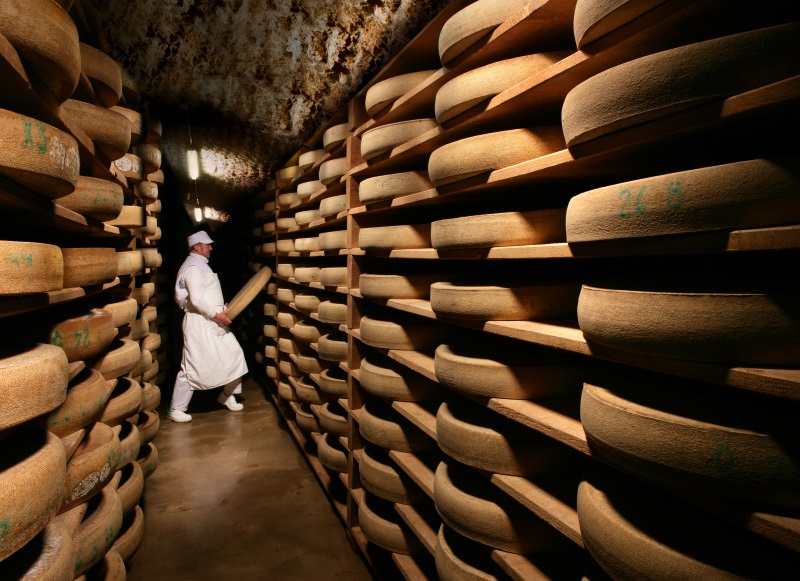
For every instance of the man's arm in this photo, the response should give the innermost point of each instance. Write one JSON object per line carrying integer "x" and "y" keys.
{"x": 196, "y": 285}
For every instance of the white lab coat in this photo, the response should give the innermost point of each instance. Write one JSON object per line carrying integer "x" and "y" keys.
{"x": 211, "y": 354}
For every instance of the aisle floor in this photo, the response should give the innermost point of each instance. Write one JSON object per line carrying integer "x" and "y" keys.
{"x": 233, "y": 498}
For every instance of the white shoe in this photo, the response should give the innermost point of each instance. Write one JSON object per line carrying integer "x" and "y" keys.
{"x": 230, "y": 402}
{"x": 178, "y": 416}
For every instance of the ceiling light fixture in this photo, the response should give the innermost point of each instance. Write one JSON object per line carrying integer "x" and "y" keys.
{"x": 198, "y": 214}
{"x": 194, "y": 163}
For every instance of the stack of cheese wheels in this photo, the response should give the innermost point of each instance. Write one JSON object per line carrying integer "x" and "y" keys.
{"x": 381, "y": 476}
{"x": 30, "y": 267}
{"x": 333, "y": 240}
{"x": 104, "y": 73}
{"x": 333, "y": 311}
{"x": 335, "y": 136}
{"x": 332, "y": 170}
{"x": 383, "y": 526}
{"x": 485, "y": 153}
{"x": 747, "y": 194}
{"x": 333, "y": 205}
{"x": 747, "y": 328}
{"x": 508, "y": 370}
{"x": 382, "y": 95}
{"x": 642, "y": 90}
{"x": 397, "y": 286}
{"x": 385, "y": 187}
{"x": 385, "y": 380}
{"x": 136, "y": 125}
{"x": 677, "y": 435}
{"x": 309, "y": 158}
{"x": 38, "y": 155}
{"x": 109, "y": 130}
{"x": 405, "y": 334}
{"x": 459, "y": 558}
{"x": 634, "y": 531}
{"x": 504, "y": 303}
{"x": 88, "y": 266}
{"x": 479, "y": 511}
{"x": 384, "y": 138}
{"x": 306, "y": 189}
{"x": 331, "y": 453}
{"x": 333, "y": 419}
{"x": 473, "y": 22}
{"x": 482, "y": 438}
{"x": 94, "y": 198}
{"x": 477, "y": 86}
{"x": 380, "y": 424}
{"x": 395, "y": 237}
{"x": 46, "y": 38}
{"x": 502, "y": 229}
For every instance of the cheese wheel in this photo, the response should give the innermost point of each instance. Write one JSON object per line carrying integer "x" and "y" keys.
{"x": 30, "y": 267}
{"x": 130, "y": 486}
{"x": 33, "y": 381}
{"x": 333, "y": 381}
{"x": 334, "y": 240}
{"x": 332, "y": 170}
{"x": 123, "y": 311}
{"x": 130, "y": 217}
{"x": 269, "y": 227}
{"x": 307, "y": 244}
{"x": 130, "y": 262}
{"x": 38, "y": 155}
{"x": 747, "y": 194}
{"x": 505, "y": 370}
{"x": 306, "y": 332}
{"x": 736, "y": 328}
{"x": 94, "y": 198}
{"x": 306, "y": 419}
{"x": 285, "y": 295}
{"x": 286, "y": 391}
{"x": 306, "y": 273}
{"x": 504, "y": 303}
{"x": 272, "y": 373}
{"x": 309, "y": 158}
{"x": 288, "y": 199}
{"x": 130, "y": 166}
{"x": 271, "y": 351}
{"x": 383, "y": 526}
{"x": 270, "y": 331}
{"x": 383, "y": 138}
{"x": 382, "y": 379}
{"x": 502, "y": 229}
{"x": 474, "y": 87}
{"x": 150, "y": 155}
{"x": 109, "y": 130}
{"x": 286, "y": 223}
{"x": 474, "y": 508}
{"x": 682, "y": 439}
{"x": 332, "y": 206}
{"x": 333, "y": 419}
{"x": 155, "y": 129}
{"x": 104, "y": 72}
{"x": 306, "y": 189}
{"x": 85, "y": 399}
{"x": 156, "y": 176}
{"x": 392, "y": 237}
{"x": 148, "y": 459}
{"x": 47, "y": 40}
{"x": 136, "y": 124}
{"x": 333, "y": 312}
{"x": 120, "y": 358}
{"x": 83, "y": 336}
{"x": 152, "y": 342}
{"x": 124, "y": 401}
{"x": 130, "y": 536}
{"x": 288, "y": 174}
{"x": 31, "y": 484}
{"x": 397, "y": 286}
{"x": 268, "y": 247}
{"x": 333, "y": 347}
{"x": 310, "y": 363}
{"x": 96, "y": 532}
{"x": 643, "y": 89}
{"x": 634, "y": 531}
{"x": 285, "y": 245}
{"x": 150, "y": 256}
{"x": 150, "y": 226}
{"x": 473, "y": 22}
{"x": 389, "y": 186}
{"x": 459, "y": 559}
{"x": 596, "y": 18}
{"x": 288, "y": 345}
{"x": 92, "y": 465}
{"x": 333, "y": 276}
{"x": 408, "y": 335}
{"x": 88, "y": 266}
{"x": 270, "y": 309}
{"x": 332, "y": 454}
{"x": 248, "y": 292}
{"x": 151, "y": 397}
{"x": 335, "y": 136}
{"x": 380, "y": 424}
{"x": 147, "y": 423}
{"x": 287, "y": 319}
{"x": 306, "y": 304}
{"x": 380, "y": 476}
{"x": 48, "y": 556}
{"x": 383, "y": 94}
{"x": 481, "y": 154}
{"x": 306, "y": 217}
{"x": 481, "y": 438}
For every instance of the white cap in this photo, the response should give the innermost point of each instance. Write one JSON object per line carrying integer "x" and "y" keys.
{"x": 198, "y": 238}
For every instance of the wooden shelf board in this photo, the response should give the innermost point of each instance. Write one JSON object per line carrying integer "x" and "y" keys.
{"x": 12, "y": 305}
{"x": 418, "y": 525}
{"x": 357, "y": 494}
{"x": 521, "y": 567}
{"x": 419, "y": 415}
{"x": 416, "y": 469}
{"x": 556, "y": 419}
{"x": 412, "y": 569}
{"x": 555, "y": 250}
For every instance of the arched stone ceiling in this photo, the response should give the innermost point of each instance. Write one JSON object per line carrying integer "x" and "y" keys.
{"x": 256, "y": 78}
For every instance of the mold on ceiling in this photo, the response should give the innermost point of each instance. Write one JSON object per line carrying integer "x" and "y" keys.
{"x": 249, "y": 80}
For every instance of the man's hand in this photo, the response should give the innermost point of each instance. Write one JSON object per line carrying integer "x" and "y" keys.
{"x": 222, "y": 319}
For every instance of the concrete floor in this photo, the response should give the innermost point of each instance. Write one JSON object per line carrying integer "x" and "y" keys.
{"x": 233, "y": 498}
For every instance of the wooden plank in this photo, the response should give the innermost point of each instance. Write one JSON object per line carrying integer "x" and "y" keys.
{"x": 416, "y": 469}
{"x": 419, "y": 415}
{"x": 12, "y": 305}
{"x": 556, "y": 419}
{"x": 555, "y": 250}
{"x": 418, "y": 361}
{"x": 412, "y": 569}
{"x": 420, "y": 526}
{"x": 519, "y": 567}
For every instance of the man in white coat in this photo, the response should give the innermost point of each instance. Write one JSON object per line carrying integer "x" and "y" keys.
{"x": 212, "y": 356}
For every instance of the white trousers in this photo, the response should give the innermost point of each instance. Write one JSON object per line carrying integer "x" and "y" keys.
{"x": 182, "y": 392}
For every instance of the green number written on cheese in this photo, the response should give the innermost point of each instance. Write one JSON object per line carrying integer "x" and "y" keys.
{"x": 28, "y": 142}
